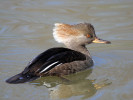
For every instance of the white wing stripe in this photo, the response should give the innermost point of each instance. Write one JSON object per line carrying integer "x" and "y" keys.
{"x": 58, "y": 64}
{"x": 49, "y": 66}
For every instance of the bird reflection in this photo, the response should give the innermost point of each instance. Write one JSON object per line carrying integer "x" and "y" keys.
{"x": 73, "y": 85}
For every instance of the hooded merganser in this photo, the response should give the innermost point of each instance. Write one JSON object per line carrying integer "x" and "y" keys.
{"x": 61, "y": 61}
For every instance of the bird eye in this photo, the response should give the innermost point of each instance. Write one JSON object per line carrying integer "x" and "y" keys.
{"x": 89, "y": 36}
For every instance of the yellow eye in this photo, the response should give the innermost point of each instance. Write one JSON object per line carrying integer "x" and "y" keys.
{"x": 88, "y": 36}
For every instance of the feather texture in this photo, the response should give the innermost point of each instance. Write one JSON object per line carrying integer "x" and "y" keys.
{"x": 45, "y": 62}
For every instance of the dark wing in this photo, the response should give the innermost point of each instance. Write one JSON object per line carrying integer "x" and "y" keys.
{"x": 52, "y": 58}
{"x": 43, "y": 57}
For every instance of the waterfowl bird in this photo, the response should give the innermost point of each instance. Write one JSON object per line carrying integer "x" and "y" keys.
{"x": 61, "y": 61}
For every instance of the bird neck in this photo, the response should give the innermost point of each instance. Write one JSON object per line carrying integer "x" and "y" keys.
{"x": 79, "y": 48}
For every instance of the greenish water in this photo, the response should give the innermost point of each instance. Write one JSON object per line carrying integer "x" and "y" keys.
{"x": 26, "y": 30}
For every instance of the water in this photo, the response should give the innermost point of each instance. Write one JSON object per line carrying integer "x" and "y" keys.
{"x": 26, "y": 30}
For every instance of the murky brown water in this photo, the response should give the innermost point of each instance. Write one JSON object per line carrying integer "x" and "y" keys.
{"x": 26, "y": 30}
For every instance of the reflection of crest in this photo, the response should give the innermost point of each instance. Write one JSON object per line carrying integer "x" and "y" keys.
{"x": 73, "y": 85}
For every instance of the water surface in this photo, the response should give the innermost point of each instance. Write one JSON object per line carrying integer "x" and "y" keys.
{"x": 26, "y": 30}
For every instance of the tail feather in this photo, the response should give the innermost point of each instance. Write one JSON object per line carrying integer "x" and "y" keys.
{"x": 21, "y": 78}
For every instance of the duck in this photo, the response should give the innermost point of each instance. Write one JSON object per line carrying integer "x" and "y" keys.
{"x": 61, "y": 61}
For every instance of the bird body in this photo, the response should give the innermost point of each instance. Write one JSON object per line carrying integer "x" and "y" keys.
{"x": 61, "y": 61}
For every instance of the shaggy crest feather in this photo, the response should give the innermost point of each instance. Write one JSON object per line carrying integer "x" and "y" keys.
{"x": 64, "y": 32}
